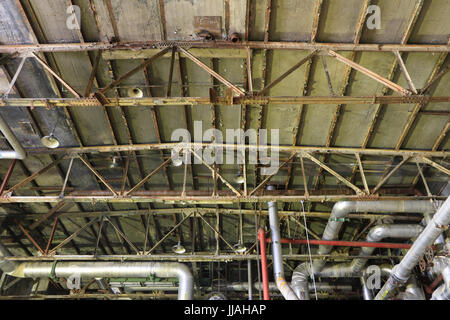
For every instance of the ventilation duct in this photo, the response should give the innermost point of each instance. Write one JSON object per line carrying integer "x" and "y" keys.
{"x": 278, "y": 270}
{"x": 402, "y": 271}
{"x": 97, "y": 269}
{"x": 339, "y": 212}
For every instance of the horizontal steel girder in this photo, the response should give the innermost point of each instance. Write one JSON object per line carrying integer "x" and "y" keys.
{"x": 245, "y": 100}
{"x": 198, "y": 257}
{"x": 205, "y": 199}
{"x": 291, "y": 149}
{"x": 221, "y": 44}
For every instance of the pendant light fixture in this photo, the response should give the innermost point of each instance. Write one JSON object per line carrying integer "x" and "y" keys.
{"x": 135, "y": 93}
{"x": 51, "y": 141}
{"x": 240, "y": 247}
{"x": 179, "y": 248}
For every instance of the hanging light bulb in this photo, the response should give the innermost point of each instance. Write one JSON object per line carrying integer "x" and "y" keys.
{"x": 239, "y": 247}
{"x": 179, "y": 248}
{"x": 135, "y": 93}
{"x": 115, "y": 162}
{"x": 50, "y": 141}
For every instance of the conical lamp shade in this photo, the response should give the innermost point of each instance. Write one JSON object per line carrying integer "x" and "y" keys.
{"x": 240, "y": 248}
{"x": 135, "y": 93}
{"x": 50, "y": 141}
{"x": 178, "y": 248}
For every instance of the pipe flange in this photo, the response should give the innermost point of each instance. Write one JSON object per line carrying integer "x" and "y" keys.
{"x": 429, "y": 255}
{"x": 422, "y": 265}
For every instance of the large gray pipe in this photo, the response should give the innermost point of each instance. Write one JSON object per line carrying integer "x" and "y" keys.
{"x": 401, "y": 272}
{"x": 443, "y": 291}
{"x": 339, "y": 212}
{"x": 97, "y": 269}
{"x": 19, "y": 152}
{"x": 376, "y": 234}
{"x": 278, "y": 270}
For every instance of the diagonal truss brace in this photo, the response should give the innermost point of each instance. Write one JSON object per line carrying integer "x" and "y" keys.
{"x": 370, "y": 74}
{"x": 334, "y": 173}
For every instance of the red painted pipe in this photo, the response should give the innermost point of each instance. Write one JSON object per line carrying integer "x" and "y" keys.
{"x": 8, "y": 174}
{"x": 433, "y": 286}
{"x": 265, "y": 275}
{"x": 347, "y": 243}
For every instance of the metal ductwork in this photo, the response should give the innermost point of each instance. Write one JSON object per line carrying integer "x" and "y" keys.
{"x": 339, "y": 212}
{"x": 402, "y": 271}
{"x": 278, "y": 270}
{"x": 376, "y": 234}
{"x": 413, "y": 291}
{"x": 19, "y": 152}
{"x": 92, "y": 270}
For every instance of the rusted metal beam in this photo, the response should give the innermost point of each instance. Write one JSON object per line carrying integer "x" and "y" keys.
{"x": 134, "y": 70}
{"x": 144, "y": 180}
{"x": 212, "y": 72}
{"x": 217, "y": 174}
{"x": 52, "y": 233}
{"x": 112, "y": 19}
{"x": 361, "y": 171}
{"x": 267, "y": 20}
{"x": 123, "y": 235}
{"x": 209, "y": 211}
{"x": 72, "y": 236}
{"x": 288, "y": 72}
{"x": 51, "y": 212}
{"x": 315, "y": 26}
{"x": 49, "y": 69}
{"x": 209, "y": 199}
{"x": 223, "y": 44}
{"x": 413, "y": 116}
{"x": 125, "y": 174}
{"x": 215, "y": 231}
{"x": 168, "y": 234}
{"x": 34, "y": 175}
{"x": 370, "y": 73}
{"x": 169, "y": 81}
{"x": 334, "y": 173}
{"x": 7, "y": 176}
{"x": 434, "y": 79}
{"x": 98, "y": 175}
{"x": 93, "y": 73}
{"x": 35, "y": 244}
{"x": 263, "y": 183}
{"x": 66, "y": 179}
{"x": 196, "y": 145}
{"x": 411, "y": 85}
{"x": 384, "y": 179}
{"x": 193, "y": 101}
{"x": 249, "y": 71}
{"x": 436, "y": 165}
{"x": 162, "y": 17}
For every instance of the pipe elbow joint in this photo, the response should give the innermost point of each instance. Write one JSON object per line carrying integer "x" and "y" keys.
{"x": 342, "y": 208}
{"x": 377, "y": 233}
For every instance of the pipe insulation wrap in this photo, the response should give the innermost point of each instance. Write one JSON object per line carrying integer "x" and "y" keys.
{"x": 339, "y": 212}
{"x": 111, "y": 270}
{"x": 402, "y": 271}
{"x": 280, "y": 280}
